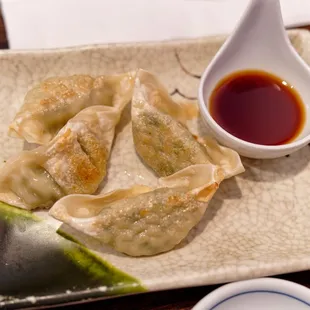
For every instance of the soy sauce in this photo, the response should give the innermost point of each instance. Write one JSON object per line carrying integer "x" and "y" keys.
{"x": 258, "y": 107}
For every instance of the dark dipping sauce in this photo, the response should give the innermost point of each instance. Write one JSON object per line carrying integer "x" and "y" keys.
{"x": 258, "y": 107}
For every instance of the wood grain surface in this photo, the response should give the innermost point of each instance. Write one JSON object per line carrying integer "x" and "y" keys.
{"x": 181, "y": 299}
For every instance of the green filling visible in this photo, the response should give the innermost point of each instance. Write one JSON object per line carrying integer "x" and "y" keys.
{"x": 165, "y": 145}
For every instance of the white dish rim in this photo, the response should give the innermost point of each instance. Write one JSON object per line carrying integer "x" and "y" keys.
{"x": 271, "y": 285}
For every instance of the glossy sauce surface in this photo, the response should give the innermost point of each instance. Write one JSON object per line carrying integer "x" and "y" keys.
{"x": 258, "y": 107}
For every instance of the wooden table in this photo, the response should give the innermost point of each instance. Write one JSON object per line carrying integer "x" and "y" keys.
{"x": 181, "y": 299}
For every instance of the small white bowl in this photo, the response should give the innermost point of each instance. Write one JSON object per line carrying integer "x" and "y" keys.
{"x": 248, "y": 149}
{"x": 259, "y": 42}
{"x": 257, "y": 294}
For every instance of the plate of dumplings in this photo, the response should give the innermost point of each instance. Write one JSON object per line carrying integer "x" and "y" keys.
{"x": 108, "y": 170}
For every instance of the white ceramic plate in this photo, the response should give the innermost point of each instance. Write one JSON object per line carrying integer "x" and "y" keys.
{"x": 257, "y": 224}
{"x": 258, "y": 294}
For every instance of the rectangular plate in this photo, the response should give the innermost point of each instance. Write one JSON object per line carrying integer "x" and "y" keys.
{"x": 257, "y": 224}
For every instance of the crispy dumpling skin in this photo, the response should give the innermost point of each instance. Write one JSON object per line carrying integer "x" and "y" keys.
{"x": 140, "y": 221}
{"x": 164, "y": 144}
{"x": 161, "y": 137}
{"x": 26, "y": 184}
{"x": 143, "y": 225}
{"x": 74, "y": 161}
{"x": 150, "y": 222}
{"x": 49, "y": 105}
{"x": 224, "y": 157}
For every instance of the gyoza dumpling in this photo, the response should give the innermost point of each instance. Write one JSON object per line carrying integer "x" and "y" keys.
{"x": 161, "y": 138}
{"x": 224, "y": 157}
{"x": 164, "y": 144}
{"x": 154, "y": 221}
{"x": 25, "y": 183}
{"x": 147, "y": 224}
{"x": 48, "y": 106}
{"x": 73, "y": 162}
{"x": 140, "y": 221}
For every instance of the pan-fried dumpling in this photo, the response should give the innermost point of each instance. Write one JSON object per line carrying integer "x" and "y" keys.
{"x": 73, "y": 162}
{"x": 164, "y": 144}
{"x": 149, "y": 222}
{"x": 146, "y": 222}
{"x": 161, "y": 137}
{"x": 161, "y": 141}
{"x": 224, "y": 157}
{"x": 149, "y": 92}
{"x": 48, "y": 106}
{"x": 26, "y": 184}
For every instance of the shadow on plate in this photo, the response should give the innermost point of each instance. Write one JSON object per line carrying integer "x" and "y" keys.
{"x": 269, "y": 170}
{"x": 29, "y": 146}
{"x": 214, "y": 206}
{"x": 229, "y": 189}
